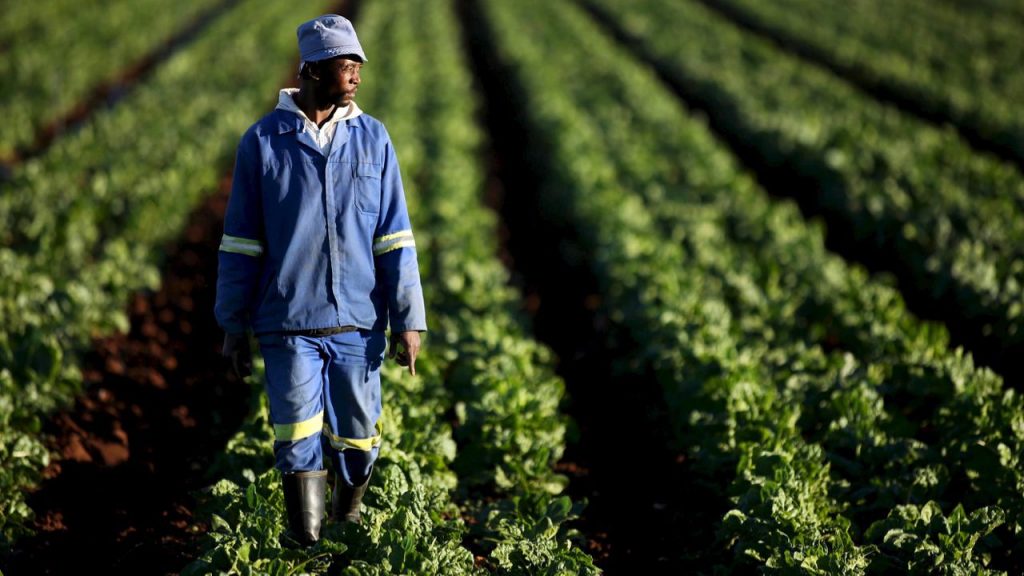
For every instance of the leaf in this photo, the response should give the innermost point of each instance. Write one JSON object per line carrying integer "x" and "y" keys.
{"x": 252, "y": 497}
{"x": 218, "y": 524}
{"x": 559, "y": 508}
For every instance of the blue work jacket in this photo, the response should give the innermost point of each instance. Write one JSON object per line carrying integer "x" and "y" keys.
{"x": 313, "y": 241}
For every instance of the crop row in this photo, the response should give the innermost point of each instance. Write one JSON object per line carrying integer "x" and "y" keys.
{"x": 951, "y": 63}
{"x": 950, "y": 217}
{"x": 848, "y": 436}
{"x": 56, "y": 53}
{"x": 86, "y": 222}
{"x": 994, "y": 9}
{"x": 466, "y": 467}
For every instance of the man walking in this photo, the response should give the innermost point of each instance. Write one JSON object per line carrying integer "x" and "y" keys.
{"x": 317, "y": 258}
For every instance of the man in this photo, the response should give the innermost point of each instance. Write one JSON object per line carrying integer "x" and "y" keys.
{"x": 317, "y": 258}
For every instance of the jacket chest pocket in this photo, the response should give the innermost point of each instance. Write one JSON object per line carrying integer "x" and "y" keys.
{"x": 366, "y": 184}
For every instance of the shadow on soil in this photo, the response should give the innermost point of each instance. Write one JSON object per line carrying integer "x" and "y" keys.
{"x": 158, "y": 408}
{"x": 647, "y": 514}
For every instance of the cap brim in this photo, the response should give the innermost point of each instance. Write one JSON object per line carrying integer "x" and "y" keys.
{"x": 333, "y": 52}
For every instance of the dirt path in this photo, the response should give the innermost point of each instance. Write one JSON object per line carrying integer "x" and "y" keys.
{"x": 158, "y": 408}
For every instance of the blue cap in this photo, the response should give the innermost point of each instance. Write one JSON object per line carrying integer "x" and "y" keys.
{"x": 328, "y": 36}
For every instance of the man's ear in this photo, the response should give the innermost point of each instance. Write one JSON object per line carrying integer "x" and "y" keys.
{"x": 312, "y": 71}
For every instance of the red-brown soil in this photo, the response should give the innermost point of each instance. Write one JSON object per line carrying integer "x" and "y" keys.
{"x": 160, "y": 404}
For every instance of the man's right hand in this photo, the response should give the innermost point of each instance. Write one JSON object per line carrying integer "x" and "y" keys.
{"x": 237, "y": 349}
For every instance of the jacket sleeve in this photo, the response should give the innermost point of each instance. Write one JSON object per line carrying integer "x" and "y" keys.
{"x": 240, "y": 259}
{"x": 394, "y": 253}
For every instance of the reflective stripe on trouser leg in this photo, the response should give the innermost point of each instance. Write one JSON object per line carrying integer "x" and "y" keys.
{"x": 352, "y": 402}
{"x": 295, "y": 383}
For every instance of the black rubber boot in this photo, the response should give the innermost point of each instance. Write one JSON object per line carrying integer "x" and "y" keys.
{"x": 346, "y": 501}
{"x": 304, "y": 494}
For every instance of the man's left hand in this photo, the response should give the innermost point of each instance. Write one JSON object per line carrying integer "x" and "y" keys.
{"x": 410, "y": 342}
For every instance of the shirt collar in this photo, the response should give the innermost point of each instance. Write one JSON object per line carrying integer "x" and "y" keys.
{"x": 287, "y": 103}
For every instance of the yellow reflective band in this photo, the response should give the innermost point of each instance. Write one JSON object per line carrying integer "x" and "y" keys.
{"x": 240, "y": 240}
{"x": 395, "y": 246}
{"x": 363, "y": 444}
{"x": 236, "y": 250}
{"x": 398, "y": 234}
{"x": 299, "y": 430}
{"x": 240, "y": 245}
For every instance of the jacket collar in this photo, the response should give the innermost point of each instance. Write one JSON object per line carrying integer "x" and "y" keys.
{"x": 287, "y": 121}
{"x": 286, "y": 104}
{"x": 290, "y": 122}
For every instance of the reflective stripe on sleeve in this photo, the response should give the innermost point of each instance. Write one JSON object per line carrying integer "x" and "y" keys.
{"x": 364, "y": 444}
{"x": 299, "y": 430}
{"x": 384, "y": 244}
{"x": 240, "y": 245}
{"x": 395, "y": 246}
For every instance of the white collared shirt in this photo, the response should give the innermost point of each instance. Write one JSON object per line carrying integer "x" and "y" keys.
{"x": 324, "y": 135}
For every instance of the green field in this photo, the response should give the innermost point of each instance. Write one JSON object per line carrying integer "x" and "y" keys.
{"x": 789, "y": 234}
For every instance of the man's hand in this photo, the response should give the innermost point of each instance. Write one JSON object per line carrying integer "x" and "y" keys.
{"x": 410, "y": 341}
{"x": 236, "y": 347}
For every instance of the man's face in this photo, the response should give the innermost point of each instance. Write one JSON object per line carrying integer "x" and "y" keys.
{"x": 339, "y": 79}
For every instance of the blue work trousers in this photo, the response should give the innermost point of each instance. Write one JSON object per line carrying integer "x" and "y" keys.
{"x": 325, "y": 399}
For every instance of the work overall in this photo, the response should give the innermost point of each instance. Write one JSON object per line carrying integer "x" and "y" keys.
{"x": 324, "y": 394}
